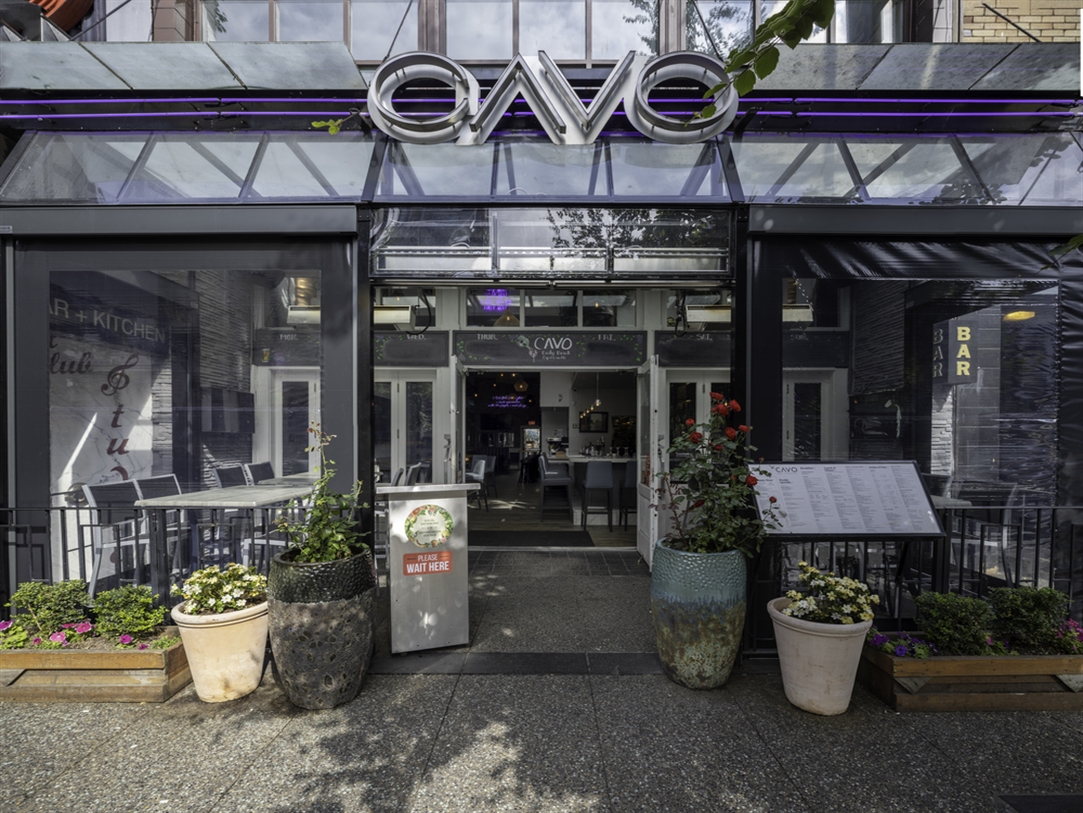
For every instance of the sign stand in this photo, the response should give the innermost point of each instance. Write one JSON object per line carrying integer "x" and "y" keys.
{"x": 427, "y": 565}
{"x": 850, "y": 501}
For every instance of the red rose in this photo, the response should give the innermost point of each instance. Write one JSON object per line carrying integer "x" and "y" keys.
{"x": 690, "y": 422}
{"x": 731, "y": 433}
{"x": 742, "y": 428}
{"x": 720, "y": 409}
{"x": 696, "y": 437}
{"x": 698, "y": 504}
{"x": 717, "y": 396}
{"x": 772, "y": 499}
{"x": 718, "y": 447}
{"x": 751, "y": 480}
{"x": 736, "y": 407}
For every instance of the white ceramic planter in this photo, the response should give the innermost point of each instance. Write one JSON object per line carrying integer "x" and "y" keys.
{"x": 225, "y": 651}
{"x": 819, "y": 661}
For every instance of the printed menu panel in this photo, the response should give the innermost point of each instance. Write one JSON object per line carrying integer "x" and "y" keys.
{"x": 847, "y": 499}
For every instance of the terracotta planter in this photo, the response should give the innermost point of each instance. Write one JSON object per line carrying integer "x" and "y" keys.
{"x": 698, "y": 606}
{"x": 226, "y": 651}
{"x": 819, "y": 661}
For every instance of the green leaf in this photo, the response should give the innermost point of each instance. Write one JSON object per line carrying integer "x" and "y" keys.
{"x": 333, "y": 128}
{"x": 744, "y": 82}
{"x": 1073, "y": 244}
{"x": 767, "y": 62}
{"x": 822, "y": 11}
{"x": 714, "y": 91}
{"x": 707, "y": 112}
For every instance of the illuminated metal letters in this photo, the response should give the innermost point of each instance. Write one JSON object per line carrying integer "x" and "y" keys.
{"x": 555, "y": 104}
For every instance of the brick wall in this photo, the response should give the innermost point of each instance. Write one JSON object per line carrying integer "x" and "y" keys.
{"x": 1048, "y": 20}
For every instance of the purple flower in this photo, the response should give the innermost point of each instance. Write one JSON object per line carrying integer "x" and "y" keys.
{"x": 4, "y": 625}
{"x": 901, "y": 650}
{"x": 84, "y": 627}
{"x": 125, "y": 638}
{"x": 879, "y": 639}
{"x": 143, "y": 646}
{"x": 37, "y": 640}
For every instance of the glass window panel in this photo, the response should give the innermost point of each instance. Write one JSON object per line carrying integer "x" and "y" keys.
{"x": 702, "y": 310}
{"x": 373, "y": 25}
{"x": 479, "y": 29}
{"x": 620, "y": 26}
{"x": 769, "y": 8}
{"x": 342, "y": 160}
{"x": 548, "y": 169}
{"x": 913, "y": 169}
{"x": 381, "y": 428}
{"x": 283, "y": 174}
{"x": 419, "y": 428}
{"x": 729, "y": 25}
{"x": 435, "y": 170}
{"x": 128, "y": 22}
{"x": 821, "y": 173}
{"x": 864, "y": 21}
{"x": 1044, "y": 169}
{"x": 191, "y": 167}
{"x": 236, "y": 20}
{"x": 659, "y": 170}
{"x": 558, "y": 27}
{"x": 763, "y": 163}
{"x": 609, "y": 308}
{"x": 309, "y": 20}
{"x": 419, "y": 239}
{"x": 295, "y": 438}
{"x": 550, "y": 309}
{"x": 492, "y": 307}
{"x": 73, "y": 168}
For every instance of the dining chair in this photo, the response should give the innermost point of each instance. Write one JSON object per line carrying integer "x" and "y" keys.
{"x": 226, "y": 476}
{"x": 412, "y": 473}
{"x": 599, "y": 478}
{"x": 258, "y": 472}
{"x": 554, "y": 478}
{"x": 174, "y": 526}
{"x": 400, "y": 475}
{"x": 477, "y": 475}
{"x": 115, "y": 527}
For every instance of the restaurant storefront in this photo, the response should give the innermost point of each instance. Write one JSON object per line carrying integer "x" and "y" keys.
{"x": 176, "y": 302}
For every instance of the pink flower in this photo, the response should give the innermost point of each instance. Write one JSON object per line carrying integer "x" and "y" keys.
{"x": 125, "y": 639}
{"x": 36, "y": 640}
{"x": 142, "y": 646}
{"x": 84, "y": 627}
{"x": 4, "y": 625}
{"x": 58, "y": 637}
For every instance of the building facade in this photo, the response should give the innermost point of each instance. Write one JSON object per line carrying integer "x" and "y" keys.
{"x": 509, "y": 255}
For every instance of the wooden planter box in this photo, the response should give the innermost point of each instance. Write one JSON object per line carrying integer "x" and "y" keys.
{"x": 974, "y": 683}
{"x": 89, "y": 676}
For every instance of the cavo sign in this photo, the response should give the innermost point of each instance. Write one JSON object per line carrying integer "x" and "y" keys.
{"x": 557, "y": 106}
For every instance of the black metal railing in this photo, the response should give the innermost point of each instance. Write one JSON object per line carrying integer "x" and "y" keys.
{"x": 110, "y": 546}
{"x": 983, "y": 547}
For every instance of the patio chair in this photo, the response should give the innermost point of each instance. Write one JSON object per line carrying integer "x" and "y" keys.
{"x": 115, "y": 527}
{"x": 477, "y": 475}
{"x": 258, "y": 472}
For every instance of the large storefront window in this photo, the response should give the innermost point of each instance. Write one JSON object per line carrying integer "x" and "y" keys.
{"x": 958, "y": 375}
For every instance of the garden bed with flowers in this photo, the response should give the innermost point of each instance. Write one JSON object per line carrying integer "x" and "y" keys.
{"x": 63, "y": 646}
{"x": 1009, "y": 666}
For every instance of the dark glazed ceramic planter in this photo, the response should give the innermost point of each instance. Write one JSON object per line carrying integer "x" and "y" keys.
{"x": 321, "y": 628}
{"x": 698, "y": 606}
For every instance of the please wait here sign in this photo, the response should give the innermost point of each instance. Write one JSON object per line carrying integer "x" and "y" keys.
{"x": 422, "y": 564}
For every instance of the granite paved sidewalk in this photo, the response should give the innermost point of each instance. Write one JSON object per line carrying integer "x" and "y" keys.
{"x": 557, "y": 704}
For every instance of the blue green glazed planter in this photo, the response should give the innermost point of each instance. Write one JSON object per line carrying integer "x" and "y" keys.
{"x": 698, "y": 606}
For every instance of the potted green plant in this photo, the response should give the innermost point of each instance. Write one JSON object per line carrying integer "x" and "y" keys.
{"x": 223, "y": 623}
{"x": 1016, "y": 651}
{"x": 62, "y": 645}
{"x": 699, "y": 572}
{"x": 322, "y": 594}
{"x": 819, "y": 633}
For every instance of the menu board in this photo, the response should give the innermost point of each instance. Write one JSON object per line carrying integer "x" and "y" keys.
{"x": 847, "y": 499}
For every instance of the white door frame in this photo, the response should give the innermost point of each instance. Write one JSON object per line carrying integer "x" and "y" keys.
{"x": 267, "y": 384}
{"x": 834, "y": 411}
{"x": 397, "y": 378}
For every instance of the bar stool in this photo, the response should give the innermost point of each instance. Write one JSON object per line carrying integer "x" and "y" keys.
{"x": 626, "y": 504}
{"x": 599, "y": 477}
{"x": 551, "y": 479}
{"x": 477, "y": 475}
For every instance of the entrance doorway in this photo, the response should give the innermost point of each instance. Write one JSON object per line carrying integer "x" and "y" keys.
{"x": 573, "y": 417}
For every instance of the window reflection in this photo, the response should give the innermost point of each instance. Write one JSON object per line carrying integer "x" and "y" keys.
{"x": 557, "y": 27}
{"x": 620, "y": 26}
{"x": 493, "y": 307}
{"x": 728, "y": 25}
{"x": 236, "y": 20}
{"x": 479, "y": 29}
{"x": 309, "y": 20}
{"x": 373, "y": 24}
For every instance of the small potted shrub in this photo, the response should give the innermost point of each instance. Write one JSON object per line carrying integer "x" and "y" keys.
{"x": 223, "y": 623}
{"x": 321, "y": 594}
{"x": 819, "y": 632}
{"x": 699, "y": 570}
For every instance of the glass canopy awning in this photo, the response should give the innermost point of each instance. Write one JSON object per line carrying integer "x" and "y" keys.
{"x": 1038, "y": 169}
